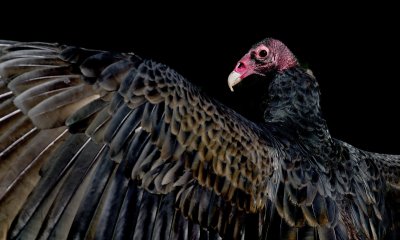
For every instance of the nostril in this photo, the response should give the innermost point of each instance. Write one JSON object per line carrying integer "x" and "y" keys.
{"x": 240, "y": 65}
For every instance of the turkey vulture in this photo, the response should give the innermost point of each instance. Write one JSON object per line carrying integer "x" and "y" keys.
{"x": 105, "y": 145}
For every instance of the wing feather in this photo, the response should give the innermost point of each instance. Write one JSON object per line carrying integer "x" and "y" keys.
{"x": 149, "y": 156}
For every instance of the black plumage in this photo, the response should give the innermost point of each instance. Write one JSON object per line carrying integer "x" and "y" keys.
{"x": 107, "y": 145}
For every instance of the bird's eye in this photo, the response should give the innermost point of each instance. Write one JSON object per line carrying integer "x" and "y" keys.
{"x": 263, "y": 53}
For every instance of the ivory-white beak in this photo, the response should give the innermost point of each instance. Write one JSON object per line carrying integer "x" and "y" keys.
{"x": 233, "y": 79}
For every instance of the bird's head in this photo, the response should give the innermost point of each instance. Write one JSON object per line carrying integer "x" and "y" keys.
{"x": 267, "y": 56}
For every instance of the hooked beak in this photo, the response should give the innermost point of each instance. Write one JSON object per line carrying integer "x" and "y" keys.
{"x": 244, "y": 68}
{"x": 233, "y": 79}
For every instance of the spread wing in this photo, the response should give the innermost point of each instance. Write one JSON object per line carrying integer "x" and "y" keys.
{"x": 104, "y": 145}
{"x": 92, "y": 139}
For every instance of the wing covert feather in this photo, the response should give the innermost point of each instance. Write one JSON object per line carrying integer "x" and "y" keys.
{"x": 171, "y": 157}
{"x": 163, "y": 132}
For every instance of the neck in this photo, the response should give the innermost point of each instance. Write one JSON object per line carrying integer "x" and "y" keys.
{"x": 294, "y": 102}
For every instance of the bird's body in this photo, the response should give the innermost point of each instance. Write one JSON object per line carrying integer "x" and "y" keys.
{"x": 105, "y": 145}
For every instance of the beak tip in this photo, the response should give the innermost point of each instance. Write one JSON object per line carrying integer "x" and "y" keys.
{"x": 233, "y": 79}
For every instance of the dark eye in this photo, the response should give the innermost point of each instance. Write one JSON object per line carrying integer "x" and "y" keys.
{"x": 263, "y": 53}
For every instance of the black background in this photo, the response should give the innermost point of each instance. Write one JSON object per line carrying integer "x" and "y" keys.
{"x": 352, "y": 50}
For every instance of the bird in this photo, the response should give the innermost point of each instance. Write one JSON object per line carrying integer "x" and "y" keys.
{"x": 106, "y": 145}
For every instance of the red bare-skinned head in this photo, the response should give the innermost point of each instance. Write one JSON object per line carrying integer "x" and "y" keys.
{"x": 269, "y": 55}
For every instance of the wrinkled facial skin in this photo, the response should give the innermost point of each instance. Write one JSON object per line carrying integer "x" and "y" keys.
{"x": 267, "y": 56}
{"x": 259, "y": 60}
